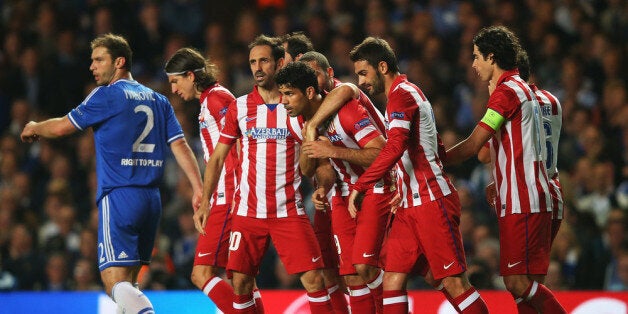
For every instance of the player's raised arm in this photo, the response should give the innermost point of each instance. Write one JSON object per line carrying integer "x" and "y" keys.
{"x": 336, "y": 98}
{"x": 51, "y": 128}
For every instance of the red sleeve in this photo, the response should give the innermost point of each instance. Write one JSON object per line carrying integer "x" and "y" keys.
{"x": 356, "y": 122}
{"x": 396, "y": 144}
{"x": 400, "y": 114}
{"x": 504, "y": 101}
{"x": 230, "y": 132}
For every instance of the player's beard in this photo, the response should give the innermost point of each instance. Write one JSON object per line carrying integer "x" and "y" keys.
{"x": 106, "y": 77}
{"x": 377, "y": 85}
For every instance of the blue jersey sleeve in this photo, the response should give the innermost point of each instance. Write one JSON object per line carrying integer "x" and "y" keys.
{"x": 173, "y": 127}
{"x": 93, "y": 110}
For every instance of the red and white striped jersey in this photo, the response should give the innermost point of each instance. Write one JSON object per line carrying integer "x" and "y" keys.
{"x": 518, "y": 149}
{"x": 552, "y": 114}
{"x": 351, "y": 127}
{"x": 413, "y": 143}
{"x": 214, "y": 103}
{"x": 376, "y": 117}
{"x": 270, "y": 178}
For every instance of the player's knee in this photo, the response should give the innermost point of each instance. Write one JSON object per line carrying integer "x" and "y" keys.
{"x": 516, "y": 284}
{"x": 200, "y": 275}
{"x": 312, "y": 280}
{"x": 394, "y": 281}
{"x": 367, "y": 272}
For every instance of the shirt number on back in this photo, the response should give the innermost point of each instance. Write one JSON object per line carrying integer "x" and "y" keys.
{"x": 138, "y": 146}
{"x": 550, "y": 149}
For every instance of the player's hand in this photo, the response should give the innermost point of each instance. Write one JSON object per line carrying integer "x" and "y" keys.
{"x": 200, "y": 216}
{"x": 322, "y": 148}
{"x": 28, "y": 134}
{"x": 197, "y": 199}
{"x": 491, "y": 194}
{"x": 394, "y": 203}
{"x": 319, "y": 198}
{"x": 355, "y": 202}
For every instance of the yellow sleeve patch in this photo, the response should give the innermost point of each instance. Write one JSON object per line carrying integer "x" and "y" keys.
{"x": 493, "y": 119}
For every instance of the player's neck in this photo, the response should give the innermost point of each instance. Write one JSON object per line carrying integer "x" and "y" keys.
{"x": 314, "y": 104}
{"x": 388, "y": 81}
{"x": 270, "y": 96}
{"x": 121, "y": 75}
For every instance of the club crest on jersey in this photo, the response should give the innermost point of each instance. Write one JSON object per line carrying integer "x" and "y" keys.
{"x": 268, "y": 133}
{"x": 362, "y": 124}
{"x": 223, "y": 112}
{"x": 397, "y": 115}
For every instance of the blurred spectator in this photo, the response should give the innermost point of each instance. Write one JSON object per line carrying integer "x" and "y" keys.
{"x": 576, "y": 47}
{"x": 85, "y": 276}
{"x": 57, "y": 273}
{"x": 565, "y": 254}
{"x": 592, "y": 271}
{"x": 22, "y": 260}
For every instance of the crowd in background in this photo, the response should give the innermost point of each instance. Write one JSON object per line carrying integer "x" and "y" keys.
{"x": 48, "y": 214}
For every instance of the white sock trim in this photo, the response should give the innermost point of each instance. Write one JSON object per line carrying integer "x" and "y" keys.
{"x": 241, "y": 306}
{"x": 332, "y": 289}
{"x": 257, "y": 294}
{"x": 322, "y": 299}
{"x": 359, "y": 292}
{"x": 469, "y": 300}
{"x": 393, "y": 300}
{"x": 210, "y": 285}
{"x": 535, "y": 286}
{"x": 377, "y": 282}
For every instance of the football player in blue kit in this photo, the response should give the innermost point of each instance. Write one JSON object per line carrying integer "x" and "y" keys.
{"x": 133, "y": 125}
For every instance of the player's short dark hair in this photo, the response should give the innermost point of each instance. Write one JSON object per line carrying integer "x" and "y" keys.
{"x": 502, "y": 43}
{"x": 317, "y": 57}
{"x": 297, "y": 74}
{"x": 277, "y": 50}
{"x": 374, "y": 50}
{"x": 523, "y": 64}
{"x": 298, "y": 43}
{"x": 189, "y": 59}
{"x": 117, "y": 46}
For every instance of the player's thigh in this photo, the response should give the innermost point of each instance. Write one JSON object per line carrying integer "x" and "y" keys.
{"x": 403, "y": 248}
{"x": 212, "y": 248}
{"x": 371, "y": 228}
{"x": 438, "y": 229}
{"x": 248, "y": 243}
{"x": 129, "y": 218}
{"x": 343, "y": 227}
{"x": 525, "y": 241}
{"x": 296, "y": 243}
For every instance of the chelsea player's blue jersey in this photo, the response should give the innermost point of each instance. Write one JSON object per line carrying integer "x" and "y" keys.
{"x": 132, "y": 125}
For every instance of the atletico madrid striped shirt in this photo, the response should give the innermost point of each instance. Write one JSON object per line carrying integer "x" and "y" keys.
{"x": 413, "y": 143}
{"x": 214, "y": 103}
{"x": 518, "y": 149}
{"x": 552, "y": 114}
{"x": 270, "y": 178}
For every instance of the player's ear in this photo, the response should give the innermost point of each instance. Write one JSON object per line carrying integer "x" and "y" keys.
{"x": 119, "y": 63}
{"x": 382, "y": 67}
{"x": 310, "y": 92}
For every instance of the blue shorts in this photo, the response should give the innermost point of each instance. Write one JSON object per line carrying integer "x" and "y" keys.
{"x": 128, "y": 221}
